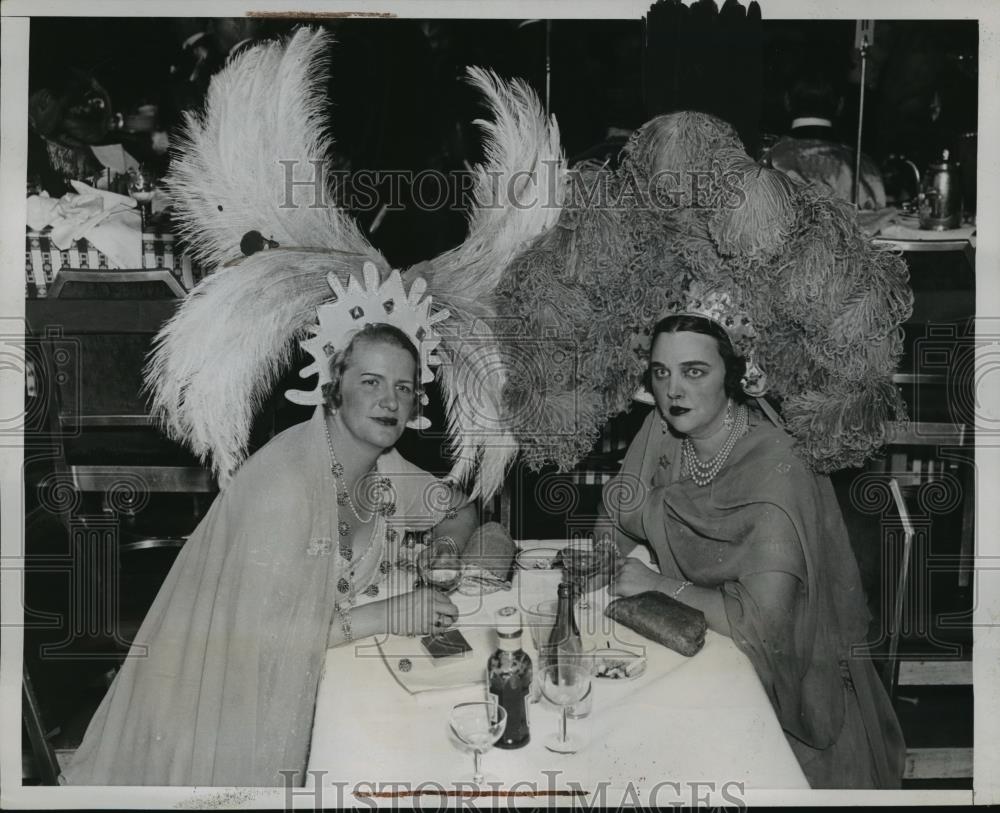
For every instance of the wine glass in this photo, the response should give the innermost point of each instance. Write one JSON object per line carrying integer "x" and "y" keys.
{"x": 564, "y": 684}
{"x": 479, "y": 725}
{"x": 581, "y": 561}
{"x": 439, "y": 574}
{"x": 588, "y": 659}
{"x": 142, "y": 186}
{"x": 444, "y": 575}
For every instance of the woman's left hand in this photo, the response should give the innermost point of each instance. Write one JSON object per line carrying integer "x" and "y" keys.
{"x": 633, "y": 577}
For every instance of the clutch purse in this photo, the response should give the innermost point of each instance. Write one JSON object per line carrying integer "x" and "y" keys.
{"x": 660, "y": 618}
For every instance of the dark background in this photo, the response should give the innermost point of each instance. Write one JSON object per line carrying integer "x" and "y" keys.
{"x": 398, "y": 100}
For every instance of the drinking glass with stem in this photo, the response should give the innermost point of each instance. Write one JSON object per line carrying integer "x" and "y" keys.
{"x": 478, "y": 724}
{"x": 439, "y": 572}
{"x": 583, "y": 560}
{"x": 563, "y": 684}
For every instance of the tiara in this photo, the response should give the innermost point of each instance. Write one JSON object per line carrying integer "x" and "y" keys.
{"x": 367, "y": 303}
{"x": 718, "y": 306}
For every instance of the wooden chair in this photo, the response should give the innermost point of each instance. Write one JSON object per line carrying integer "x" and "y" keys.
{"x": 903, "y": 475}
{"x": 106, "y": 460}
{"x": 575, "y": 494}
{"x": 115, "y": 278}
{"x": 122, "y": 486}
{"x": 45, "y": 766}
{"x": 93, "y": 351}
{"x": 904, "y": 673}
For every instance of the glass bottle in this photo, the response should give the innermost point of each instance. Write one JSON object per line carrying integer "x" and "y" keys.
{"x": 564, "y": 640}
{"x": 509, "y": 675}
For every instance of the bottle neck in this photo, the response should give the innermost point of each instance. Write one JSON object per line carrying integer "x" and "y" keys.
{"x": 509, "y": 642}
{"x": 564, "y": 613}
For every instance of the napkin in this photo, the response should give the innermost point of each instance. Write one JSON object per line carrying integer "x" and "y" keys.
{"x": 480, "y": 581}
{"x": 105, "y": 219}
{"x": 660, "y": 618}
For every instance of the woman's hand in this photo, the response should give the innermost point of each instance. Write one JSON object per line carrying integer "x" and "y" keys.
{"x": 634, "y": 577}
{"x": 420, "y": 612}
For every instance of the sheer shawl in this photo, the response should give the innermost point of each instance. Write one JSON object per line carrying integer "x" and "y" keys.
{"x": 765, "y": 512}
{"x": 220, "y": 685}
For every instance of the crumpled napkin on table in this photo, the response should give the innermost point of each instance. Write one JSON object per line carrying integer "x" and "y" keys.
{"x": 480, "y": 581}
{"x": 109, "y": 221}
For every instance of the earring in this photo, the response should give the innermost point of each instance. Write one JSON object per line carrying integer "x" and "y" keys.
{"x": 755, "y": 381}
{"x": 728, "y": 420}
{"x": 420, "y": 421}
{"x": 664, "y": 426}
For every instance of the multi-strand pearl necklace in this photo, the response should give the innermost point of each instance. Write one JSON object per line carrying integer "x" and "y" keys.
{"x": 704, "y": 472}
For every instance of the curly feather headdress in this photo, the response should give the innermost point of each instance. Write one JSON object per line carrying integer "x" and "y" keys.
{"x": 219, "y": 357}
{"x": 632, "y": 244}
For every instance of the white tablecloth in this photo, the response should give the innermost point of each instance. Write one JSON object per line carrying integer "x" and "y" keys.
{"x": 702, "y": 719}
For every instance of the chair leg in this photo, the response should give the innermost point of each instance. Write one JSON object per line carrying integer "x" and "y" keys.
{"x": 45, "y": 756}
{"x": 902, "y": 581}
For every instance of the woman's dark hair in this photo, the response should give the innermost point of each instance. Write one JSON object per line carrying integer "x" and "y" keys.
{"x": 376, "y": 332}
{"x": 736, "y": 366}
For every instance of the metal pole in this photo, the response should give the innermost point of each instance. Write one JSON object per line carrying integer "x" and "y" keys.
{"x": 861, "y": 120}
{"x": 548, "y": 66}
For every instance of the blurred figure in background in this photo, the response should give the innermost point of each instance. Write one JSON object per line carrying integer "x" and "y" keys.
{"x": 812, "y": 151}
{"x": 65, "y": 118}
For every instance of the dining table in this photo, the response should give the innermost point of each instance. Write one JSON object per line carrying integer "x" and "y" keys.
{"x": 685, "y": 727}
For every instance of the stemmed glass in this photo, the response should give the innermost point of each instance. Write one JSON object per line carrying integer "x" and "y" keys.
{"x": 581, "y": 561}
{"x": 440, "y": 572}
{"x": 443, "y": 576}
{"x": 141, "y": 186}
{"x": 445, "y": 579}
{"x": 564, "y": 684}
{"x": 479, "y": 725}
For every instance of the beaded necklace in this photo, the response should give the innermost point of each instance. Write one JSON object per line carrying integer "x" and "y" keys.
{"x": 380, "y": 542}
{"x": 343, "y": 493}
{"x": 705, "y": 472}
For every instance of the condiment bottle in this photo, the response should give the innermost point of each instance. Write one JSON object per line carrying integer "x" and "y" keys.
{"x": 508, "y": 675}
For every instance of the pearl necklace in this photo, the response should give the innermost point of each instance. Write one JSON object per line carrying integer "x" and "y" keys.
{"x": 704, "y": 472}
{"x": 345, "y": 585}
{"x": 344, "y": 495}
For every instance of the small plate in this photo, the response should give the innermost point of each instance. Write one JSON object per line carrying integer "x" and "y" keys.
{"x": 537, "y": 558}
{"x": 618, "y": 664}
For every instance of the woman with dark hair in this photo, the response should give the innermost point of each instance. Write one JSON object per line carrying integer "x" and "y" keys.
{"x": 742, "y": 530}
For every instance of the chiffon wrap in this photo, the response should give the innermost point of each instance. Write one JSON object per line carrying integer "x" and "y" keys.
{"x": 220, "y": 684}
{"x": 765, "y": 512}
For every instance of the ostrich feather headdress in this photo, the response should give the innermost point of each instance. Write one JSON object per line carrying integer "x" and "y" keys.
{"x": 219, "y": 357}
{"x": 826, "y": 306}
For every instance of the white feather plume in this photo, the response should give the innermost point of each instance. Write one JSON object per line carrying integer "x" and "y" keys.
{"x": 518, "y": 194}
{"x": 208, "y": 374}
{"x": 472, "y": 377}
{"x": 263, "y": 108}
{"x": 217, "y": 360}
